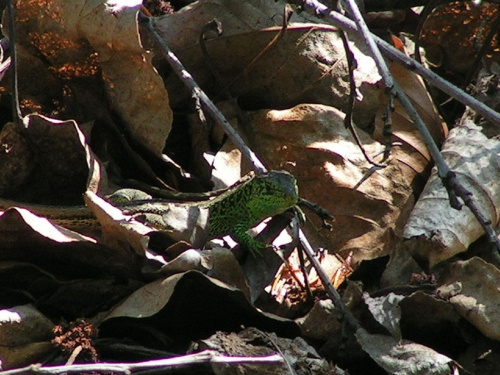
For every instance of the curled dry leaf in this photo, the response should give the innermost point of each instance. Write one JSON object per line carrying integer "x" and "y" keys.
{"x": 46, "y": 160}
{"x": 475, "y": 295}
{"x": 370, "y": 206}
{"x": 387, "y": 312}
{"x": 403, "y": 357}
{"x": 25, "y": 334}
{"x": 26, "y": 237}
{"x": 306, "y": 65}
{"x": 118, "y": 230}
{"x": 90, "y": 44}
{"x": 192, "y": 305}
{"x": 188, "y": 260}
{"x": 172, "y": 223}
{"x": 436, "y": 232}
{"x": 289, "y": 285}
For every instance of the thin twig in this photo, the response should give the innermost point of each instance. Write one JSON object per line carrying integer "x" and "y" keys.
{"x": 207, "y": 356}
{"x": 16, "y": 110}
{"x": 448, "y": 177}
{"x": 322, "y": 213}
{"x": 351, "y": 64}
{"x": 343, "y": 313}
{"x": 382, "y": 67}
{"x": 426, "y": 12}
{"x": 387, "y": 128}
{"x": 213, "y": 25}
{"x": 199, "y": 94}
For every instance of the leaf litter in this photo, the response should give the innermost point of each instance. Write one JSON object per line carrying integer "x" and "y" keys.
{"x": 130, "y": 286}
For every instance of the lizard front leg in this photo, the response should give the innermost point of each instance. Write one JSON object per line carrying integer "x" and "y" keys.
{"x": 240, "y": 235}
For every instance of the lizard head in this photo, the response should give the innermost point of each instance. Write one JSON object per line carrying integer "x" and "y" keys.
{"x": 275, "y": 192}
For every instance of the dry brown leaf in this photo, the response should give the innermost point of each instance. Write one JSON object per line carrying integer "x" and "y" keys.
{"x": 320, "y": 323}
{"x": 236, "y": 17}
{"x": 91, "y": 42}
{"x": 225, "y": 267}
{"x": 370, "y": 206}
{"x": 403, "y": 357}
{"x": 452, "y": 33}
{"x": 45, "y": 162}
{"x": 473, "y": 289}
{"x": 435, "y": 232}
{"x": 25, "y": 334}
{"x": 26, "y": 237}
{"x": 307, "y": 65}
{"x": 429, "y": 320}
{"x": 300, "y": 356}
{"x": 193, "y": 305}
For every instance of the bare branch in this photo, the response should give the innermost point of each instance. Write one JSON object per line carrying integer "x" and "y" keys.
{"x": 207, "y": 356}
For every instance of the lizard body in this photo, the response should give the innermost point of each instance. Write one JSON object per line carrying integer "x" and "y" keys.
{"x": 233, "y": 212}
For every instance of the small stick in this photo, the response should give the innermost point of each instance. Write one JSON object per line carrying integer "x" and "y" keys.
{"x": 200, "y": 95}
{"x": 16, "y": 110}
{"x": 370, "y": 43}
{"x": 207, "y": 356}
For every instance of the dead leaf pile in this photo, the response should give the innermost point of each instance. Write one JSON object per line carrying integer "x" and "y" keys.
{"x": 104, "y": 118}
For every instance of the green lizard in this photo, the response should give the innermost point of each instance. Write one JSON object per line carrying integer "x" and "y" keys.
{"x": 234, "y": 212}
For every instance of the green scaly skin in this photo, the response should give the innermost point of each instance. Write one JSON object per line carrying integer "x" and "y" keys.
{"x": 233, "y": 212}
{"x": 241, "y": 208}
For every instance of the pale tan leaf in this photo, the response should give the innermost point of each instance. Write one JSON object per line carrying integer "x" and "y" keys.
{"x": 435, "y": 231}
{"x": 369, "y": 205}
{"x": 473, "y": 289}
{"x": 387, "y": 312}
{"x": 403, "y": 357}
